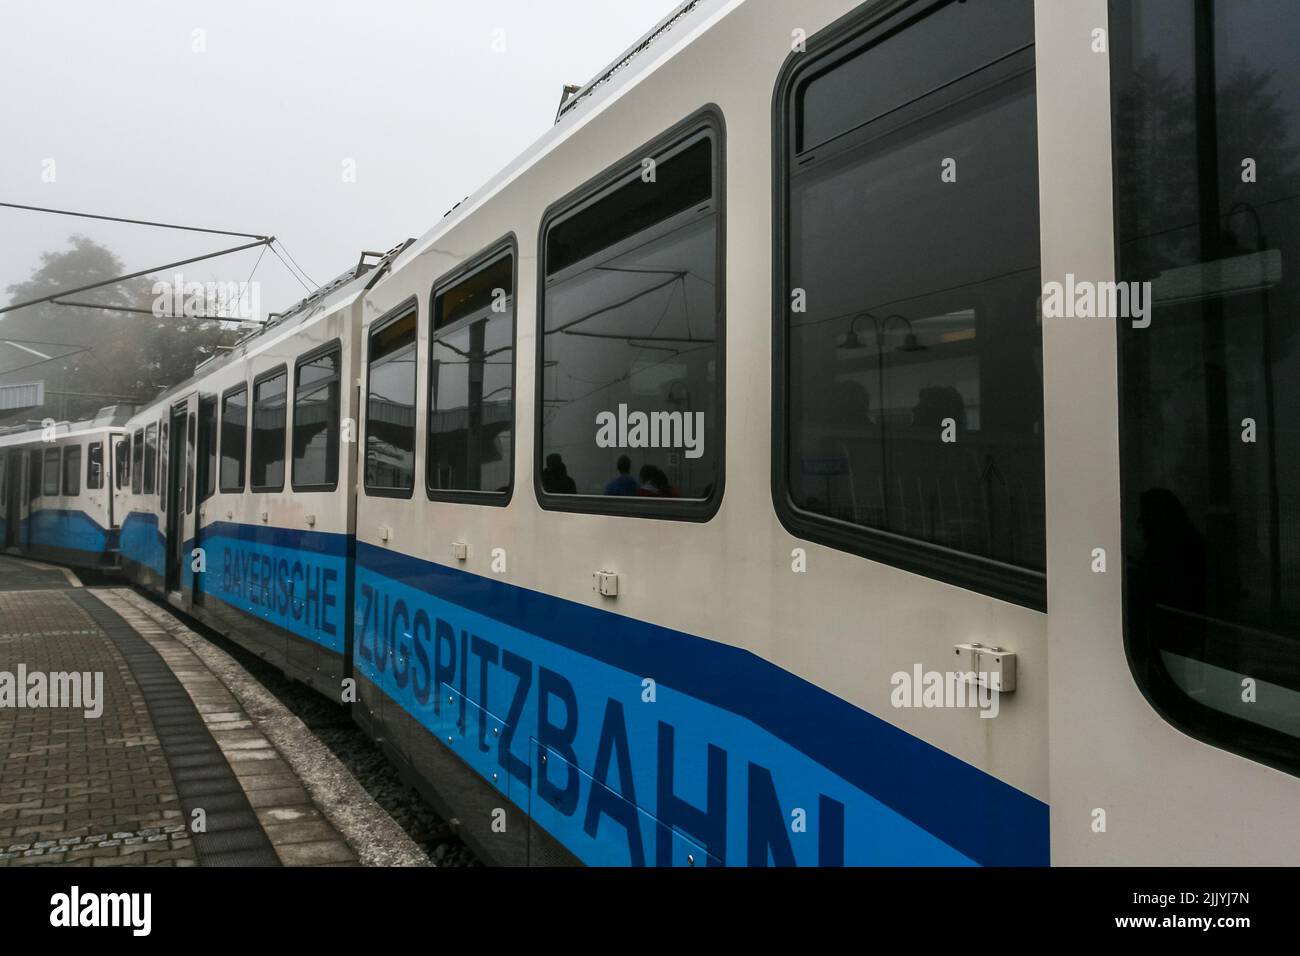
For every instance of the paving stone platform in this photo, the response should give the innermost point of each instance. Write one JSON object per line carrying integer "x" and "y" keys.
{"x": 123, "y": 787}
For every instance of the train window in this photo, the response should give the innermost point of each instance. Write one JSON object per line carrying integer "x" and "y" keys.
{"x": 50, "y": 471}
{"x": 630, "y": 390}
{"x": 191, "y": 436}
{"x": 270, "y": 409}
{"x": 137, "y": 462}
{"x": 234, "y": 438}
{"x": 471, "y": 383}
{"x": 390, "y": 407}
{"x": 72, "y": 470}
{"x": 150, "y": 459}
{"x": 1206, "y": 138}
{"x": 909, "y": 360}
{"x": 207, "y": 456}
{"x": 122, "y": 453}
{"x": 95, "y": 466}
{"x": 34, "y": 460}
{"x": 316, "y": 420}
{"x": 164, "y": 448}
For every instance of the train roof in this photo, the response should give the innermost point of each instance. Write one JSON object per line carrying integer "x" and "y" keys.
{"x": 32, "y": 432}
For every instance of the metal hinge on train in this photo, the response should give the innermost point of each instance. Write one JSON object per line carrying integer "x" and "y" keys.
{"x": 992, "y": 667}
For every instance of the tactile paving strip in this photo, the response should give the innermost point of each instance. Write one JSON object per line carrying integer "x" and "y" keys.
{"x": 203, "y": 777}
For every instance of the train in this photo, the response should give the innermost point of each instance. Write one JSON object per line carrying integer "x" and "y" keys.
{"x": 852, "y": 434}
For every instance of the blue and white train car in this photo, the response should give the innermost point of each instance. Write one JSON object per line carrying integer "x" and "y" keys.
{"x": 239, "y": 509}
{"x": 58, "y": 499}
{"x": 853, "y": 434}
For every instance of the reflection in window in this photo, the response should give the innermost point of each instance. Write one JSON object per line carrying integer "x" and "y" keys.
{"x": 1206, "y": 100}
{"x": 471, "y": 382}
{"x": 137, "y": 462}
{"x": 390, "y": 408}
{"x": 316, "y": 422}
{"x": 34, "y": 460}
{"x": 50, "y": 486}
{"x": 914, "y": 360}
{"x": 207, "y": 448}
{"x": 122, "y": 452}
{"x": 630, "y": 383}
{"x": 150, "y": 458}
{"x": 234, "y": 433}
{"x": 163, "y": 450}
{"x": 72, "y": 470}
{"x": 95, "y": 466}
{"x": 266, "y": 463}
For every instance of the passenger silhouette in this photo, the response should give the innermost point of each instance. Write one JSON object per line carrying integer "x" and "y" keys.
{"x": 624, "y": 483}
{"x": 555, "y": 477}
{"x": 933, "y": 405}
{"x": 655, "y": 484}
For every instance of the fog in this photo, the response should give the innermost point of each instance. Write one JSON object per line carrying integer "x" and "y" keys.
{"x": 248, "y": 116}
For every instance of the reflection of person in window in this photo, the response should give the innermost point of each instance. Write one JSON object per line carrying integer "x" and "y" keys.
{"x": 624, "y": 483}
{"x": 655, "y": 484}
{"x": 934, "y": 405}
{"x": 555, "y": 477}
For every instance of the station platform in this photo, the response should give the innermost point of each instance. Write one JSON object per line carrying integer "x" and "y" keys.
{"x": 122, "y": 742}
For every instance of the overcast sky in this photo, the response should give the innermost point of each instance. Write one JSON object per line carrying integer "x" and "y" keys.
{"x": 247, "y": 125}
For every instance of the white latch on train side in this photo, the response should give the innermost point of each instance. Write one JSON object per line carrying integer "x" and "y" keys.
{"x": 605, "y": 583}
{"x": 992, "y": 667}
{"x": 459, "y": 551}
{"x": 385, "y": 532}
{"x": 311, "y": 520}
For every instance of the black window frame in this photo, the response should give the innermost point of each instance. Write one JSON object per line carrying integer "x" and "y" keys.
{"x": 221, "y": 425}
{"x": 707, "y": 121}
{"x": 281, "y": 369}
{"x": 409, "y": 306}
{"x": 35, "y": 476}
{"x": 335, "y": 346}
{"x": 507, "y": 245}
{"x": 838, "y": 43}
{"x": 58, "y": 473}
{"x": 149, "y": 469}
{"x": 122, "y": 453}
{"x": 91, "y": 449}
{"x": 164, "y": 452}
{"x": 71, "y": 489}
{"x": 137, "y": 461}
{"x": 206, "y": 478}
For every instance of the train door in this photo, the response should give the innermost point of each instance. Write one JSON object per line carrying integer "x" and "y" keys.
{"x": 5, "y": 470}
{"x": 13, "y": 491}
{"x": 172, "y": 448}
{"x": 32, "y": 491}
{"x": 205, "y": 476}
{"x": 120, "y": 481}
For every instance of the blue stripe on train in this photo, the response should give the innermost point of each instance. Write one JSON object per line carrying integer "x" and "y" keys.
{"x": 296, "y": 580}
{"x": 69, "y": 530}
{"x": 142, "y": 542}
{"x": 733, "y": 752}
